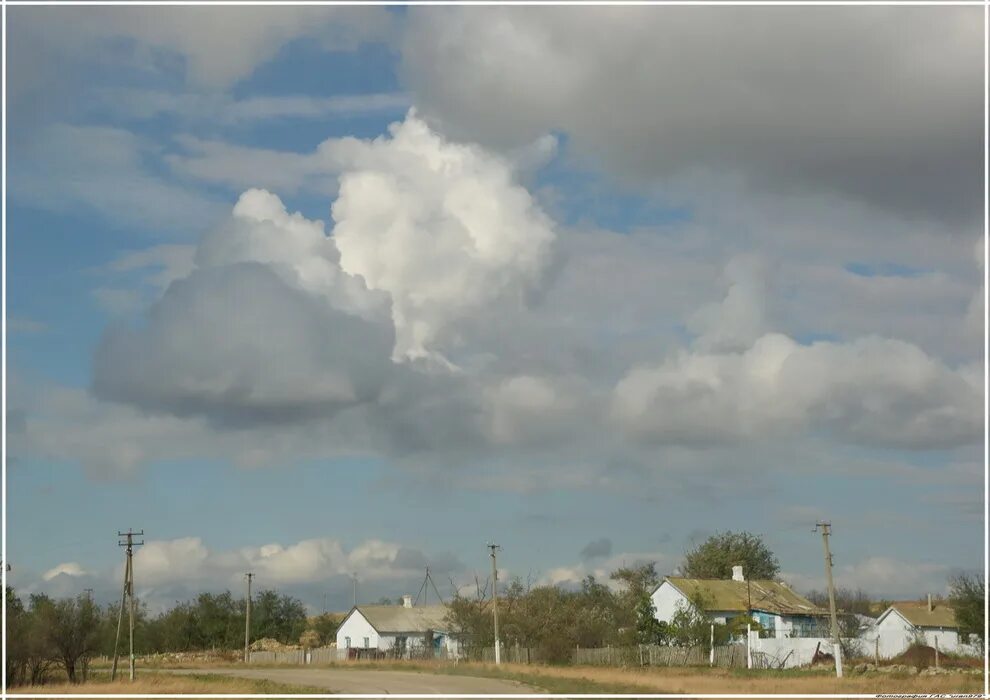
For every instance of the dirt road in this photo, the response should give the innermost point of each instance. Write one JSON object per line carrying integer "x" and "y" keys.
{"x": 372, "y": 681}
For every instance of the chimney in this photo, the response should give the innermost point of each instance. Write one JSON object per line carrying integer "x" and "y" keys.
{"x": 737, "y": 573}
{"x": 407, "y": 601}
{"x": 929, "y": 602}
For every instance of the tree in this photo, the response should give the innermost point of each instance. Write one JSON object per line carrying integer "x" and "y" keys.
{"x": 72, "y": 631}
{"x": 16, "y": 651}
{"x": 966, "y": 597}
{"x": 279, "y": 617}
{"x": 38, "y": 651}
{"x": 309, "y": 639}
{"x": 649, "y": 629}
{"x": 715, "y": 557}
{"x": 638, "y": 582}
{"x": 325, "y": 626}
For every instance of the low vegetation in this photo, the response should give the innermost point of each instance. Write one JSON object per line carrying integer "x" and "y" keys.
{"x": 588, "y": 679}
{"x": 163, "y": 683}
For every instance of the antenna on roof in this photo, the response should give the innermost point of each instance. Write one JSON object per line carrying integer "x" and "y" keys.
{"x": 424, "y": 592}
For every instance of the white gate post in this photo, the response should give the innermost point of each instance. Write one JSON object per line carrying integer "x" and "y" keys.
{"x": 711, "y": 651}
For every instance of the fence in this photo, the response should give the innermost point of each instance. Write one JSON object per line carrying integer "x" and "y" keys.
{"x": 652, "y": 655}
{"x": 330, "y": 655}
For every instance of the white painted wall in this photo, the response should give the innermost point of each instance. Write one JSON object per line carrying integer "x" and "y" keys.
{"x": 667, "y": 600}
{"x": 895, "y": 633}
{"x": 794, "y": 651}
{"x": 357, "y": 628}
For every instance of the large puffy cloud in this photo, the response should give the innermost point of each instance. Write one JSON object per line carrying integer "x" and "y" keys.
{"x": 441, "y": 227}
{"x": 872, "y": 390}
{"x": 881, "y": 105}
{"x": 241, "y": 344}
{"x": 266, "y": 328}
{"x": 740, "y": 381}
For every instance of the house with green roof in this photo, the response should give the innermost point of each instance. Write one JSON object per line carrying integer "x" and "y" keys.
{"x": 778, "y": 609}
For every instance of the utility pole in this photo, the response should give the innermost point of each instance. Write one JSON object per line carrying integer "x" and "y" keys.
{"x": 126, "y": 597}
{"x": 354, "y": 591}
{"x": 247, "y": 619}
{"x": 324, "y": 602}
{"x": 826, "y": 528}
{"x": 494, "y": 547}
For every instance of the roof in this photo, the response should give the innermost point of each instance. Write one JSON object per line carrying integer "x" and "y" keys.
{"x": 397, "y": 618}
{"x": 916, "y": 612}
{"x": 741, "y": 596}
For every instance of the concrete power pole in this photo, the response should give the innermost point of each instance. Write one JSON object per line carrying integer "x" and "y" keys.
{"x": 498, "y": 652}
{"x": 247, "y": 620}
{"x": 126, "y": 597}
{"x": 826, "y": 529}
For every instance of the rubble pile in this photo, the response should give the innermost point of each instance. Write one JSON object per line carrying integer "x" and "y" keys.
{"x": 269, "y": 644}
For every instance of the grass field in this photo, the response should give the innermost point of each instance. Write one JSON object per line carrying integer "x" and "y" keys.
{"x": 163, "y": 683}
{"x": 595, "y": 679}
{"x": 561, "y": 680}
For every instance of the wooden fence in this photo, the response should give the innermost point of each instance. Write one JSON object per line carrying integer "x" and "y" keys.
{"x": 510, "y": 654}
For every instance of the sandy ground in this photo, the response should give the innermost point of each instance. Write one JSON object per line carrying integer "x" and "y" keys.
{"x": 374, "y": 681}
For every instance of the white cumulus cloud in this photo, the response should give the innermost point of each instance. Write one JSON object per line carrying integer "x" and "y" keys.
{"x": 442, "y": 227}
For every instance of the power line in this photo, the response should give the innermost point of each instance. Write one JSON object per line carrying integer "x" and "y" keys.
{"x": 826, "y": 528}
{"x": 127, "y": 596}
{"x": 247, "y": 619}
{"x": 494, "y": 547}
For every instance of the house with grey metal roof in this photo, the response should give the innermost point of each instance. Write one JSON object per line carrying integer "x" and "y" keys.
{"x": 398, "y": 629}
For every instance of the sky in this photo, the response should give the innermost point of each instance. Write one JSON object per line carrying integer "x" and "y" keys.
{"x": 352, "y": 291}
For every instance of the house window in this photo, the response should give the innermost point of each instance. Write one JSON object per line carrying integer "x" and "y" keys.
{"x": 366, "y": 644}
{"x": 347, "y": 642}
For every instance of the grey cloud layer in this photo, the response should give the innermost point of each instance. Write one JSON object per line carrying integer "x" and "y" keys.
{"x": 882, "y": 105}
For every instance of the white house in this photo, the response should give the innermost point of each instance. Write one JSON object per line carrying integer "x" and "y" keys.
{"x": 774, "y": 605}
{"x": 397, "y": 628}
{"x": 928, "y": 622}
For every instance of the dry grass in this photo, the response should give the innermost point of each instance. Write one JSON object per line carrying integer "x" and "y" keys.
{"x": 701, "y": 680}
{"x": 593, "y": 679}
{"x": 566, "y": 679}
{"x": 166, "y": 684}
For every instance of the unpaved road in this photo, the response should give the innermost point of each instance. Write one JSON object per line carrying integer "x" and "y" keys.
{"x": 372, "y": 681}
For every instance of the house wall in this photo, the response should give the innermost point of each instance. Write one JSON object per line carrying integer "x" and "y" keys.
{"x": 895, "y": 634}
{"x": 357, "y": 628}
{"x": 667, "y": 600}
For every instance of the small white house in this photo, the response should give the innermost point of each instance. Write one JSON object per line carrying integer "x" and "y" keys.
{"x": 400, "y": 629}
{"x": 928, "y": 622}
{"x": 774, "y": 605}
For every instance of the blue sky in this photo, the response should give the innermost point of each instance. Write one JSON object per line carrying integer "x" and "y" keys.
{"x": 532, "y": 293}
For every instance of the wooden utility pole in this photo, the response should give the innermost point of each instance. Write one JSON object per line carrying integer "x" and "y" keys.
{"x": 494, "y": 547}
{"x": 127, "y": 597}
{"x": 354, "y": 591}
{"x": 247, "y": 619}
{"x": 826, "y": 529}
